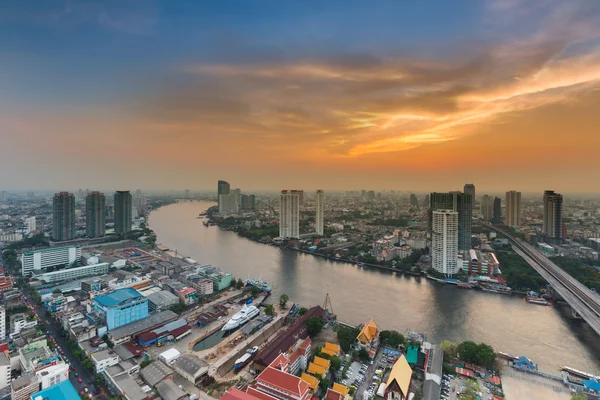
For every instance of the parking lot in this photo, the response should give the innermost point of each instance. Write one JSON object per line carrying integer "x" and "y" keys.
{"x": 366, "y": 376}
{"x": 452, "y": 386}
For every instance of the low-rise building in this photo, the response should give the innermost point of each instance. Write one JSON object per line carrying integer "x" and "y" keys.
{"x": 168, "y": 390}
{"x": 104, "y": 359}
{"x": 53, "y": 375}
{"x": 191, "y": 368}
{"x": 72, "y": 273}
{"x": 161, "y": 300}
{"x": 398, "y": 383}
{"x": 23, "y": 387}
{"x": 4, "y": 371}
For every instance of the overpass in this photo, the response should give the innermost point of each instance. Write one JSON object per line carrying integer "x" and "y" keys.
{"x": 583, "y": 302}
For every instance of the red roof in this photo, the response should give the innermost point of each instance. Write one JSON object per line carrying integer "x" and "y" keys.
{"x": 180, "y": 331}
{"x": 306, "y": 343}
{"x": 236, "y": 394}
{"x": 284, "y": 381}
{"x": 134, "y": 348}
{"x": 281, "y": 362}
{"x": 186, "y": 291}
{"x": 465, "y": 372}
{"x": 260, "y": 395}
{"x": 333, "y": 395}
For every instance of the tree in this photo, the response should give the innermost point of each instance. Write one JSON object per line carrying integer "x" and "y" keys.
{"x": 324, "y": 384}
{"x": 177, "y": 308}
{"x": 450, "y": 348}
{"x": 255, "y": 291}
{"x": 283, "y": 299}
{"x": 391, "y": 338}
{"x": 578, "y": 396}
{"x": 145, "y": 363}
{"x": 363, "y": 355}
{"x": 269, "y": 309}
{"x": 239, "y": 284}
{"x": 467, "y": 351}
{"x": 486, "y": 355}
{"x": 346, "y": 337}
{"x": 302, "y": 310}
{"x": 336, "y": 363}
{"x": 314, "y": 325}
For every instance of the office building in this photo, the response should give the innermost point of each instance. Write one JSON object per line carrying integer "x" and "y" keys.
{"x": 63, "y": 390}
{"x": 289, "y": 214}
{"x": 24, "y": 387}
{"x": 53, "y": 375}
{"x": 371, "y": 195}
{"x": 497, "y": 210}
{"x": 513, "y": 208}
{"x": 553, "y": 225}
{"x": 121, "y": 307}
{"x": 5, "y": 369}
{"x": 2, "y": 323}
{"x": 123, "y": 212}
{"x": 228, "y": 203}
{"x": 139, "y": 200}
{"x": 487, "y": 207}
{"x": 413, "y": 200}
{"x": 223, "y": 188}
{"x": 95, "y": 222}
{"x": 461, "y": 203}
{"x": 3, "y": 196}
{"x": 319, "y": 217}
{"x": 248, "y": 202}
{"x": 470, "y": 189}
{"x": 237, "y": 194}
{"x": 444, "y": 241}
{"x": 300, "y": 197}
{"x": 63, "y": 216}
{"x": 68, "y": 274}
{"x": 40, "y": 260}
{"x": 30, "y": 225}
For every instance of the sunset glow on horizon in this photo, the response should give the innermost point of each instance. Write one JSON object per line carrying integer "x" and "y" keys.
{"x": 333, "y": 95}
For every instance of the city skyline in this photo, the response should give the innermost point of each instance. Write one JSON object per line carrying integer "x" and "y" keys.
{"x": 441, "y": 93}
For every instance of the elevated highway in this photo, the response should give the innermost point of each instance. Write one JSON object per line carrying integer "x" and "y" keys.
{"x": 584, "y": 303}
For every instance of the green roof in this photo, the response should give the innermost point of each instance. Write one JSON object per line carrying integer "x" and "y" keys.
{"x": 412, "y": 354}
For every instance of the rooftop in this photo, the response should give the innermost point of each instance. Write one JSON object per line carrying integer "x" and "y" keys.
{"x": 284, "y": 381}
{"x": 61, "y": 391}
{"x": 168, "y": 390}
{"x": 191, "y": 364}
{"x": 401, "y": 373}
{"x": 155, "y": 372}
{"x": 142, "y": 325}
{"x": 117, "y": 297}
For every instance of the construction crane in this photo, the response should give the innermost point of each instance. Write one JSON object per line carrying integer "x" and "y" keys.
{"x": 327, "y": 305}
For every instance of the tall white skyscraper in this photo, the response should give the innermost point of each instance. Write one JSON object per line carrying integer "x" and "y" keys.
{"x": 319, "y": 216}
{"x": 30, "y": 225}
{"x": 513, "y": 208}
{"x": 2, "y": 323}
{"x": 444, "y": 244}
{"x": 289, "y": 214}
{"x": 228, "y": 203}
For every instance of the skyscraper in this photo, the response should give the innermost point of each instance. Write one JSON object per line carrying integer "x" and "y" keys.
{"x": 320, "y": 211}
{"x": 513, "y": 208}
{"x": 123, "y": 205}
{"x": 95, "y": 222}
{"x": 553, "y": 226}
{"x": 487, "y": 207}
{"x": 461, "y": 203}
{"x": 444, "y": 242}
{"x": 63, "y": 216}
{"x": 497, "y": 210}
{"x": 300, "y": 197}
{"x": 289, "y": 214}
{"x": 470, "y": 189}
{"x": 413, "y": 200}
{"x": 3, "y": 196}
{"x": 30, "y": 224}
{"x": 222, "y": 188}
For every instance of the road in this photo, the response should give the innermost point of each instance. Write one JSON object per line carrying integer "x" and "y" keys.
{"x": 54, "y": 328}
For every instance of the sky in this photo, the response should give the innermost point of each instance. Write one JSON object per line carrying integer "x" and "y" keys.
{"x": 308, "y": 94}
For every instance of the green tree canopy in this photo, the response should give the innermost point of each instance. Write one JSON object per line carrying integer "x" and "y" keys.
{"x": 363, "y": 355}
{"x": 283, "y": 299}
{"x": 314, "y": 325}
{"x": 391, "y": 338}
{"x": 346, "y": 337}
{"x": 450, "y": 348}
{"x": 269, "y": 309}
{"x": 578, "y": 396}
{"x": 481, "y": 354}
{"x": 302, "y": 311}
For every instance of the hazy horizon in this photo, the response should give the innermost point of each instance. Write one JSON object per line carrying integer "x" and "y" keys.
{"x": 270, "y": 95}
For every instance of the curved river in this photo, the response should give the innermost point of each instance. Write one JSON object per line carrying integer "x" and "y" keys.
{"x": 507, "y": 323}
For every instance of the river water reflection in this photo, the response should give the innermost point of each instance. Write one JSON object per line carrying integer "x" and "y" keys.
{"x": 507, "y": 323}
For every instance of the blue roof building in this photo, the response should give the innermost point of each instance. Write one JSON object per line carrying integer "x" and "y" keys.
{"x": 61, "y": 391}
{"x": 121, "y": 307}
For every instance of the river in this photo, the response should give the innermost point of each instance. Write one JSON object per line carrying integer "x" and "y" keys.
{"x": 508, "y": 323}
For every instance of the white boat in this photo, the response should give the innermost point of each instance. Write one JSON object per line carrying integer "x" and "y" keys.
{"x": 241, "y": 317}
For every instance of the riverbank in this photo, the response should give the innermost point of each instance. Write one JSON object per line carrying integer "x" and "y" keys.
{"x": 360, "y": 294}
